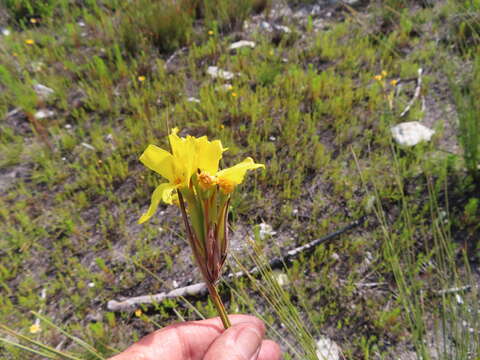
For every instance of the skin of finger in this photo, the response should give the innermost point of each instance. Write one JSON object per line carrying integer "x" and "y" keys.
{"x": 236, "y": 342}
{"x": 270, "y": 350}
{"x": 183, "y": 341}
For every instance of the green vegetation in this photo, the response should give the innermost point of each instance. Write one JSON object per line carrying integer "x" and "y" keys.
{"x": 306, "y": 104}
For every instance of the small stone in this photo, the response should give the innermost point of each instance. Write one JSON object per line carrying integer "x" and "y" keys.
{"x": 88, "y": 146}
{"x": 215, "y": 72}
{"x": 459, "y": 299}
{"x": 43, "y": 91}
{"x": 38, "y": 66}
{"x": 43, "y": 114}
{"x": 68, "y": 126}
{"x": 283, "y": 28}
{"x": 193, "y": 99}
{"x": 411, "y": 133}
{"x": 281, "y": 278}
{"x": 242, "y": 43}
{"x": 265, "y": 230}
{"x": 266, "y": 26}
{"x": 327, "y": 349}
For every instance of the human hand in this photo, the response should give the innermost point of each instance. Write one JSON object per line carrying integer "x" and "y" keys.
{"x": 206, "y": 340}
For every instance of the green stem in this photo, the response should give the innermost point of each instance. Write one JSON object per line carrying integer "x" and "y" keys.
{"x": 219, "y": 305}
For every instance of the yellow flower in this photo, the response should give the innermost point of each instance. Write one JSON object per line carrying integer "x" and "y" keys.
{"x": 33, "y": 20}
{"x": 227, "y": 179}
{"x": 141, "y": 78}
{"x": 210, "y": 32}
{"x": 138, "y": 312}
{"x": 176, "y": 167}
{"x": 188, "y": 155}
{"x": 35, "y": 328}
{"x": 234, "y": 94}
{"x": 384, "y": 73}
{"x": 378, "y": 77}
{"x": 394, "y": 82}
{"x": 29, "y": 42}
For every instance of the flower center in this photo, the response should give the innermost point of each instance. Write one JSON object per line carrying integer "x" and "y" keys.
{"x": 206, "y": 181}
{"x": 226, "y": 185}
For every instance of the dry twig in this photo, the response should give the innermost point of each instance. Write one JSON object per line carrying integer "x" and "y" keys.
{"x": 200, "y": 289}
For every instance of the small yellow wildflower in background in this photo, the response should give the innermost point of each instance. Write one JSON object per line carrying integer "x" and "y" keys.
{"x": 210, "y": 32}
{"x": 138, "y": 312}
{"x": 384, "y": 73}
{"x": 378, "y": 77}
{"x": 234, "y": 94}
{"x": 35, "y": 329}
{"x": 29, "y": 42}
{"x": 33, "y": 20}
{"x": 394, "y": 82}
{"x": 141, "y": 78}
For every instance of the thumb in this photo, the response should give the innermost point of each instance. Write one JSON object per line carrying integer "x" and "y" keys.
{"x": 240, "y": 342}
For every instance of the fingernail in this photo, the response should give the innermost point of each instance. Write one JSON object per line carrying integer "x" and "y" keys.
{"x": 248, "y": 342}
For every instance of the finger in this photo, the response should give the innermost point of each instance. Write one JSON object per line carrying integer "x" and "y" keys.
{"x": 182, "y": 341}
{"x": 240, "y": 342}
{"x": 270, "y": 350}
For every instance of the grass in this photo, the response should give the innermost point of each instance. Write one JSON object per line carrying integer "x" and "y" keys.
{"x": 72, "y": 188}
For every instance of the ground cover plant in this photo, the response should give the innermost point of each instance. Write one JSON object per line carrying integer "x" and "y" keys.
{"x": 87, "y": 85}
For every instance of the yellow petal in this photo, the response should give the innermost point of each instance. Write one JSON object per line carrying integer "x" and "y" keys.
{"x": 160, "y": 161}
{"x": 183, "y": 150}
{"x": 162, "y": 192}
{"x": 229, "y": 178}
{"x": 209, "y": 154}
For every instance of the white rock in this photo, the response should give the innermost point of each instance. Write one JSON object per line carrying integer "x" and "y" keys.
{"x": 88, "y": 146}
{"x": 266, "y": 26}
{"x": 459, "y": 299}
{"x": 193, "y": 99}
{"x": 43, "y": 114}
{"x": 91, "y": 284}
{"x": 283, "y": 28}
{"x": 352, "y": 2}
{"x": 215, "y": 72}
{"x": 281, "y": 278}
{"x": 81, "y": 24}
{"x": 6, "y": 32}
{"x": 38, "y": 66}
{"x": 327, "y": 349}
{"x": 42, "y": 91}
{"x": 265, "y": 230}
{"x": 242, "y": 43}
{"x": 411, "y": 133}
{"x": 335, "y": 256}
{"x": 68, "y": 126}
